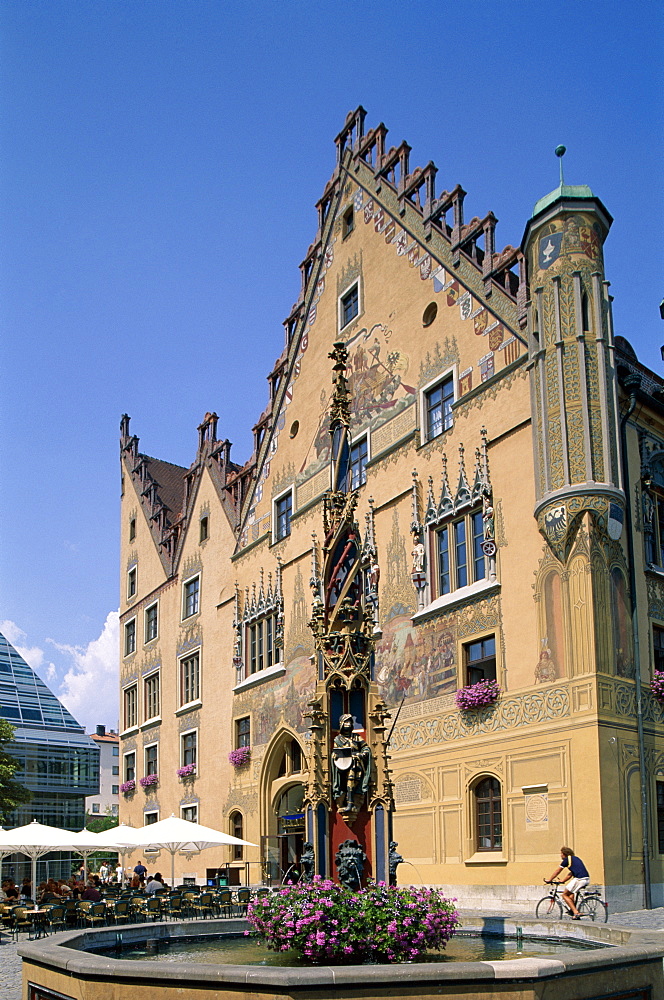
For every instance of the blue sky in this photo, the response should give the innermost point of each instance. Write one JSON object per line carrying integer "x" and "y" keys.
{"x": 159, "y": 166}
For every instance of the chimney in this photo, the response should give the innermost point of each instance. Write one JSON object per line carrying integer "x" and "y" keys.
{"x": 101, "y": 730}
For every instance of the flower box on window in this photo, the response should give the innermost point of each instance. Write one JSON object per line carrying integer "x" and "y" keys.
{"x": 657, "y": 686}
{"x": 477, "y": 695}
{"x": 240, "y": 757}
{"x": 188, "y": 771}
{"x": 127, "y": 787}
{"x": 148, "y": 780}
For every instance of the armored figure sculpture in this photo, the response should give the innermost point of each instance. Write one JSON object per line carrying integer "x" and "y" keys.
{"x": 307, "y": 862}
{"x": 351, "y": 768}
{"x": 394, "y": 859}
{"x": 350, "y": 860}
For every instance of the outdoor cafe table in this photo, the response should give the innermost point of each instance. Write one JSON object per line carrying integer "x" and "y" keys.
{"x": 38, "y": 920}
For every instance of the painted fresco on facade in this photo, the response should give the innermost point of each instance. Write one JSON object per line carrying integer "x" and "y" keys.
{"x": 417, "y": 663}
{"x": 284, "y": 702}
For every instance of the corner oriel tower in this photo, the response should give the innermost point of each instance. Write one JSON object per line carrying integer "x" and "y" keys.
{"x": 348, "y": 798}
{"x": 572, "y": 370}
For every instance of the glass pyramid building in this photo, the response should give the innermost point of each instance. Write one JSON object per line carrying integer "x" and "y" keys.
{"x": 59, "y": 763}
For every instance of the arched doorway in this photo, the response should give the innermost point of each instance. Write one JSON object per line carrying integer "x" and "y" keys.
{"x": 283, "y": 824}
{"x": 290, "y": 820}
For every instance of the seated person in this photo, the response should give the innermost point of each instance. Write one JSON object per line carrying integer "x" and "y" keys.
{"x": 92, "y": 893}
{"x": 155, "y": 883}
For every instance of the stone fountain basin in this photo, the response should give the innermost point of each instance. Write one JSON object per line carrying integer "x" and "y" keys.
{"x": 631, "y": 961}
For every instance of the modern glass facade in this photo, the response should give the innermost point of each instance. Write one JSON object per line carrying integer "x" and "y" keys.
{"x": 59, "y": 762}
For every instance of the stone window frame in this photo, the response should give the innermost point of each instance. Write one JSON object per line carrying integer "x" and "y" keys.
{"x": 195, "y": 578}
{"x": 449, "y": 375}
{"x": 154, "y": 606}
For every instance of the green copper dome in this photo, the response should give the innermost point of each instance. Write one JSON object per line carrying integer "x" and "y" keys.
{"x": 562, "y": 191}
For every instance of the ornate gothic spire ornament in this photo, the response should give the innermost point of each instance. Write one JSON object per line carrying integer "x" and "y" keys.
{"x": 349, "y": 764}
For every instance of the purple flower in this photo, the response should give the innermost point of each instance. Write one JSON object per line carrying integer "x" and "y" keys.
{"x": 657, "y": 686}
{"x": 128, "y": 786}
{"x": 149, "y": 779}
{"x": 240, "y": 757}
{"x": 477, "y": 695}
{"x": 187, "y": 771}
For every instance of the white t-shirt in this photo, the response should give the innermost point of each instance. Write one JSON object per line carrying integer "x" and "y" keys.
{"x": 154, "y": 885}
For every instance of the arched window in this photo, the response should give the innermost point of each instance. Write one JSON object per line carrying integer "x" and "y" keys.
{"x": 237, "y": 830}
{"x": 488, "y": 815}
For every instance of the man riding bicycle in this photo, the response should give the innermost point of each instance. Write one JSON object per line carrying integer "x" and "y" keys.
{"x": 577, "y": 878}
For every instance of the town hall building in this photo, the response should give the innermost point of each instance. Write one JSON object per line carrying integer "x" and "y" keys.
{"x": 444, "y": 559}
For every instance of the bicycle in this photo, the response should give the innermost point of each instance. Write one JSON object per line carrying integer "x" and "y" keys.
{"x": 588, "y": 901}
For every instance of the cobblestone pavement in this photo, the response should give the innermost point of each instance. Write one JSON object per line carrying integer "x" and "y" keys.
{"x": 10, "y": 970}
{"x": 10, "y": 963}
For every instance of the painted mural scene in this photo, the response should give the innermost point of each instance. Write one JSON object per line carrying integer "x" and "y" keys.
{"x": 391, "y": 691}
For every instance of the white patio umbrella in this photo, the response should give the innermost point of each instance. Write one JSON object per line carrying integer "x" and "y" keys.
{"x": 120, "y": 838}
{"x": 174, "y": 834}
{"x": 36, "y": 839}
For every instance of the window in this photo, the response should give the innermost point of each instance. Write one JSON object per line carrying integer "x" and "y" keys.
{"x": 130, "y": 705}
{"x": 115, "y": 789}
{"x": 204, "y": 529}
{"x": 190, "y": 813}
{"x": 283, "y": 512}
{"x": 438, "y": 407}
{"x": 348, "y": 222}
{"x": 188, "y": 748}
{"x": 660, "y": 816}
{"x": 116, "y": 770}
{"x": 132, "y": 529}
{"x": 130, "y": 766}
{"x": 151, "y": 622}
{"x": 151, "y": 759}
{"x": 191, "y": 594}
{"x": 658, "y": 647}
{"x": 116, "y": 751}
{"x": 243, "y": 732}
{"x": 480, "y": 660}
{"x": 95, "y": 807}
{"x": 358, "y": 463}
{"x": 459, "y": 554}
{"x": 151, "y": 696}
{"x": 131, "y": 583}
{"x": 150, "y": 818}
{"x": 261, "y": 644}
{"x": 237, "y": 830}
{"x": 189, "y": 679}
{"x": 115, "y": 809}
{"x": 130, "y": 638}
{"x": 349, "y": 306}
{"x": 488, "y": 814}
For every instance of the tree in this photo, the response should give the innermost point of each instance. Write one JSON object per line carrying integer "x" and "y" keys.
{"x": 12, "y": 794}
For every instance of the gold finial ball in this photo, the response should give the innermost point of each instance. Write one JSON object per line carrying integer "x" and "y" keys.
{"x": 560, "y": 150}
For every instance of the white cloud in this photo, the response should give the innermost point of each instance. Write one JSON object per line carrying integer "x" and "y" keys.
{"x": 33, "y": 655}
{"x": 89, "y": 688}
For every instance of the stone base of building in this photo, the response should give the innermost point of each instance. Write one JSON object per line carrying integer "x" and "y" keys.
{"x": 523, "y": 898}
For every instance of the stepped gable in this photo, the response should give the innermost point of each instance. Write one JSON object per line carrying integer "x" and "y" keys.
{"x": 167, "y": 492}
{"x": 495, "y": 278}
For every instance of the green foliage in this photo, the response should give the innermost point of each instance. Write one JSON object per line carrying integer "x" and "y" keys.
{"x": 12, "y": 794}
{"x": 97, "y": 824}
{"x": 324, "y": 922}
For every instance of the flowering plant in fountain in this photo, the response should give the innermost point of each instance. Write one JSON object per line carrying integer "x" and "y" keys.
{"x": 188, "y": 771}
{"x": 324, "y": 922}
{"x": 477, "y": 695}
{"x": 127, "y": 787}
{"x": 657, "y": 686}
{"x": 148, "y": 780}
{"x": 240, "y": 757}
